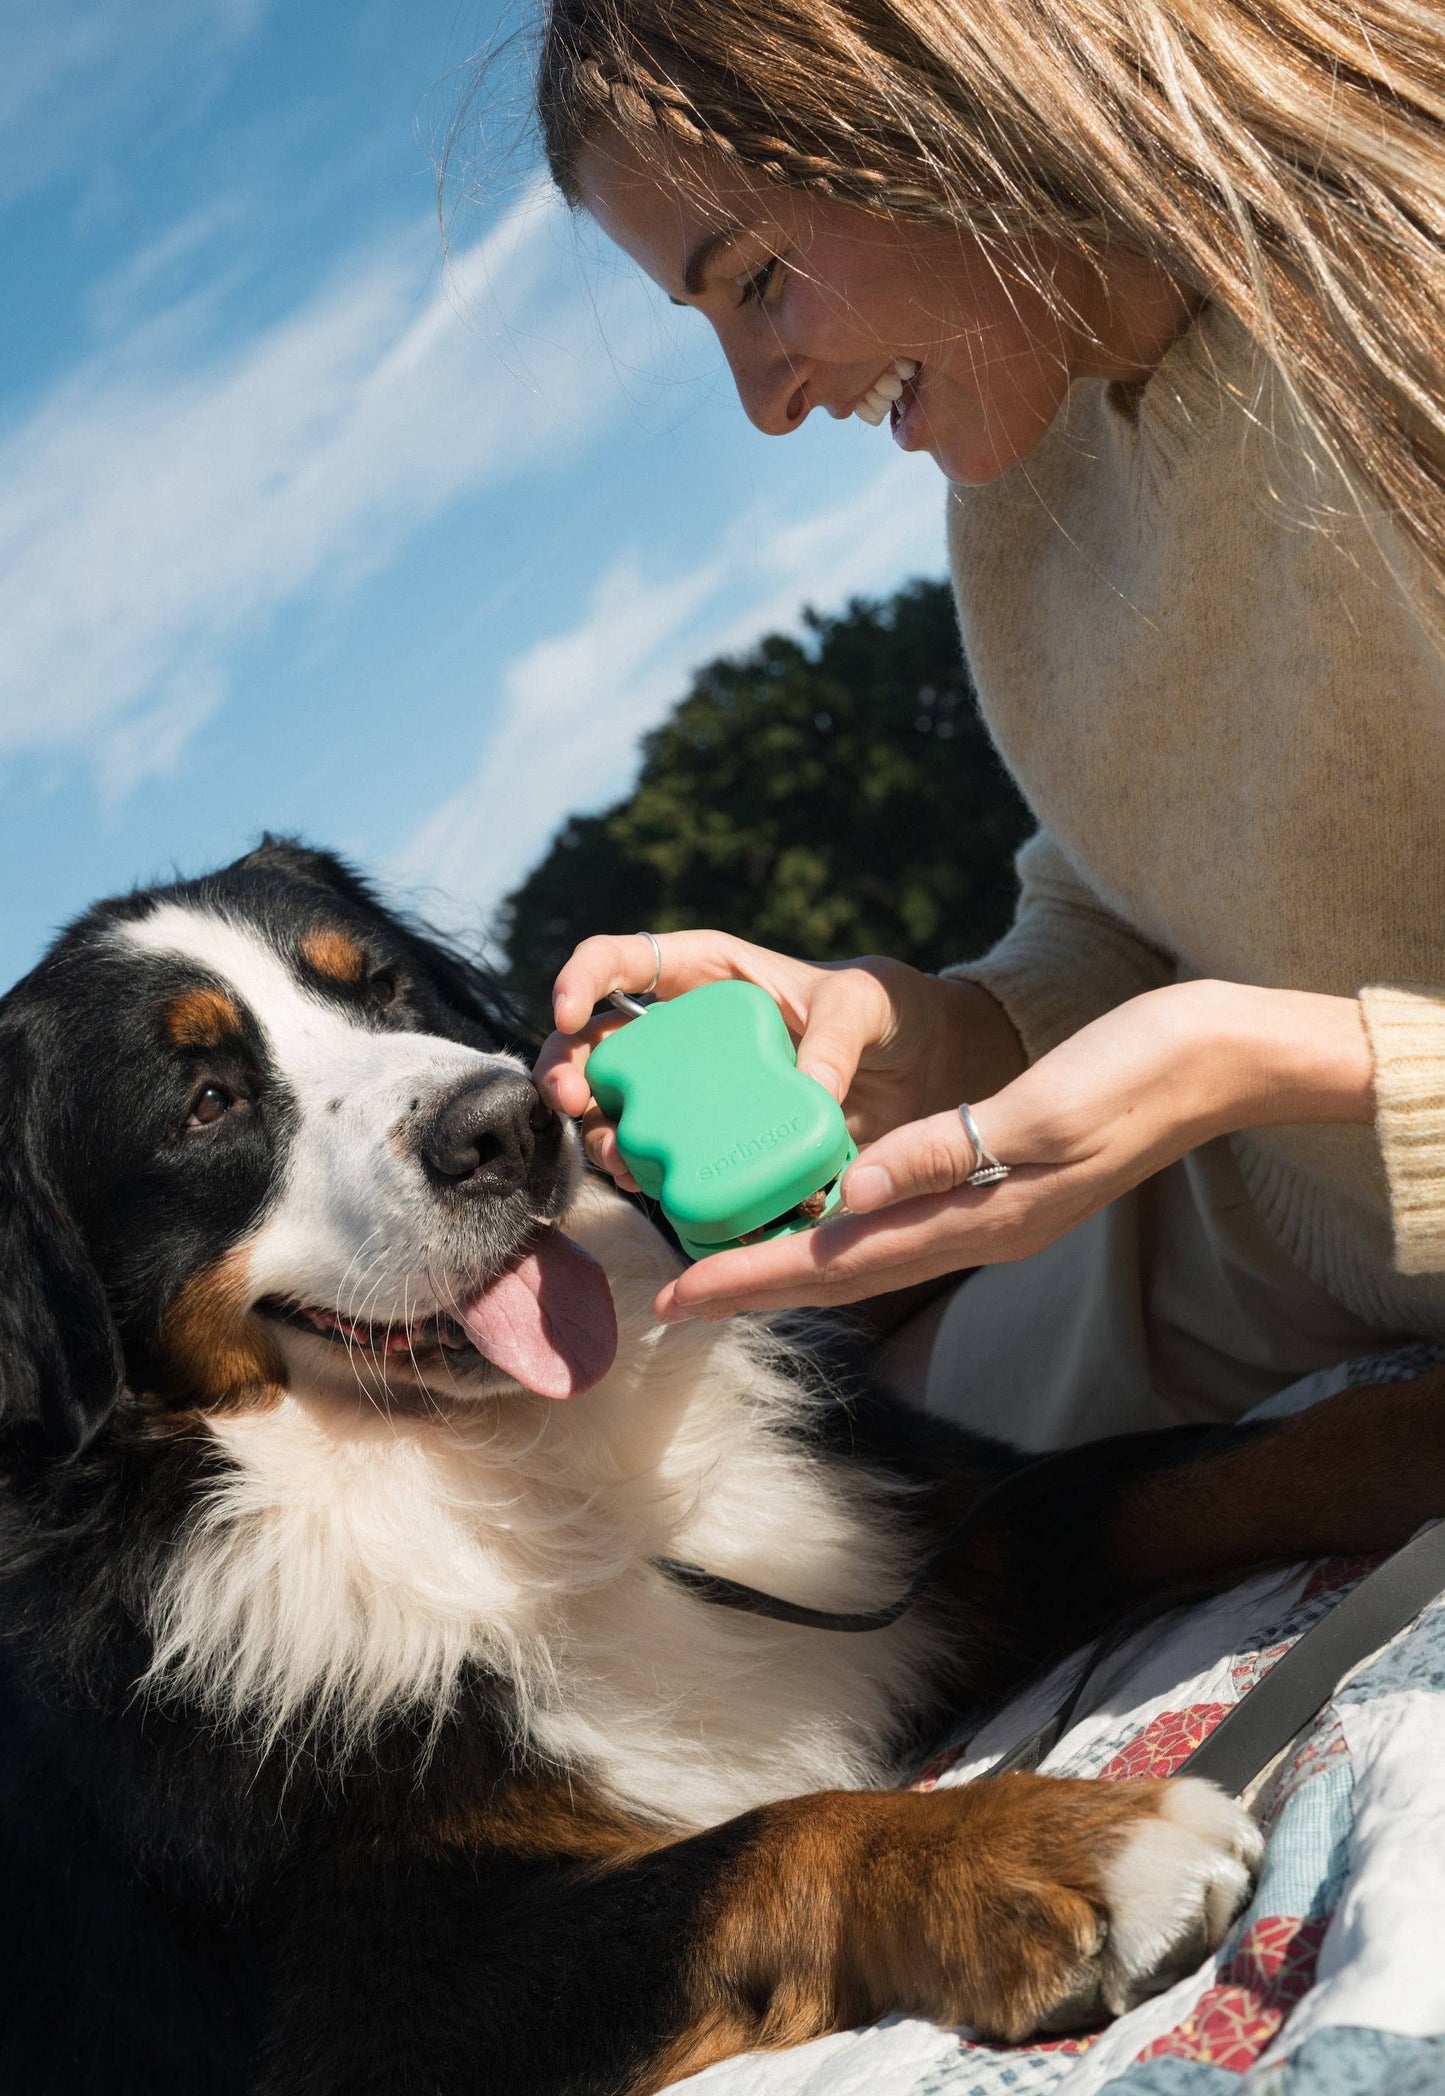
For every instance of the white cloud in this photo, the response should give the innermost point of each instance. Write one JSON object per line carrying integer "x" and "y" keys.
{"x": 157, "y": 509}
{"x": 118, "y": 299}
{"x": 74, "y": 76}
{"x": 573, "y": 706}
{"x": 150, "y": 744}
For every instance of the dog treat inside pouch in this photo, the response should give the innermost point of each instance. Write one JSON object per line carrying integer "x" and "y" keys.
{"x": 716, "y": 1121}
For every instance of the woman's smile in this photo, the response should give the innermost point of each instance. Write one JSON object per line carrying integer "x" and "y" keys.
{"x": 883, "y": 396}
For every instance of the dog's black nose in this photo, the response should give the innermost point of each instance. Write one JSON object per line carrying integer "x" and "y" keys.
{"x": 482, "y": 1138}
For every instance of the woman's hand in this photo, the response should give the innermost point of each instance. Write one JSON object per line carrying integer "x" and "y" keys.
{"x": 1118, "y": 1101}
{"x": 889, "y": 1042}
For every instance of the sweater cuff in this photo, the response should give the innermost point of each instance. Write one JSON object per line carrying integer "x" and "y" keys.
{"x": 1407, "y": 1038}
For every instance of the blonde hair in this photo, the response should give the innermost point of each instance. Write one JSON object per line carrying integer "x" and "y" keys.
{"x": 1284, "y": 158}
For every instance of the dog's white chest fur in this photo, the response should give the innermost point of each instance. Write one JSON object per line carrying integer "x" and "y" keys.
{"x": 353, "y": 1564}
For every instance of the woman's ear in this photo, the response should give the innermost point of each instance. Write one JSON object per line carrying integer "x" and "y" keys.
{"x": 60, "y": 1360}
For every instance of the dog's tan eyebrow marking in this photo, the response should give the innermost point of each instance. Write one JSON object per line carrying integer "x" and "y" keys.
{"x": 335, "y": 955}
{"x": 201, "y": 1019}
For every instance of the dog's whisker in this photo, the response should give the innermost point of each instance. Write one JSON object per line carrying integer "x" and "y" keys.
{"x": 360, "y": 1357}
{"x": 351, "y": 1321}
{"x": 410, "y": 1345}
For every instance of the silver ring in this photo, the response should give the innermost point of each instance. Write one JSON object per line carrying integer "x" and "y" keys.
{"x": 623, "y": 1000}
{"x": 987, "y": 1171}
{"x": 657, "y": 963}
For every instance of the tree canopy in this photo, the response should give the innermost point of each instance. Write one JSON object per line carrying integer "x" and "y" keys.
{"x": 828, "y": 796}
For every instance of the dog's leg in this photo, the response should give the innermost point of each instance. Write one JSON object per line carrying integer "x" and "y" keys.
{"x": 1009, "y": 1905}
{"x": 1357, "y": 1473}
{"x": 1178, "y": 1513}
{"x": 1189, "y": 1510}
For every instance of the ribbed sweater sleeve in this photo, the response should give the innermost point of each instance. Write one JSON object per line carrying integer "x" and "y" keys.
{"x": 1407, "y": 1038}
{"x": 1066, "y": 958}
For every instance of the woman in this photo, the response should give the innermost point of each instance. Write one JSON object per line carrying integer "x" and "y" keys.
{"x": 1163, "y": 293}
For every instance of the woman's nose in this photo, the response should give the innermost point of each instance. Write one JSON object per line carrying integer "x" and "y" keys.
{"x": 772, "y": 387}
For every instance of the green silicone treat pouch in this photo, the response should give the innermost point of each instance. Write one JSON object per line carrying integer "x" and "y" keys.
{"x": 716, "y": 1121}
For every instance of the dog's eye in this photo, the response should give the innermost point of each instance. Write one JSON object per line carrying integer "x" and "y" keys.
{"x": 382, "y": 987}
{"x": 210, "y": 1105}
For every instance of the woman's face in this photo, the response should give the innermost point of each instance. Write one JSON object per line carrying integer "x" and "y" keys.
{"x": 814, "y": 301}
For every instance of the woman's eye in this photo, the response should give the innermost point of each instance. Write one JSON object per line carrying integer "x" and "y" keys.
{"x": 382, "y": 987}
{"x": 760, "y": 283}
{"x": 210, "y": 1105}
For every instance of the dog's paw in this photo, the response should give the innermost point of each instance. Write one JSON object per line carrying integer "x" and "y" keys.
{"x": 1174, "y": 1888}
{"x": 1171, "y": 1888}
{"x": 1026, "y": 1903}
{"x": 1086, "y": 1897}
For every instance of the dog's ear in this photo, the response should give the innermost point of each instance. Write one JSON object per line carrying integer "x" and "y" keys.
{"x": 300, "y": 861}
{"x": 61, "y": 1370}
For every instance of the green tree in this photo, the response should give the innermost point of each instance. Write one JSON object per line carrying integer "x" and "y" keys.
{"x": 830, "y": 796}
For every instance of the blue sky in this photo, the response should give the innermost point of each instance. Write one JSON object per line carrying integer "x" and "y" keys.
{"x": 301, "y": 528}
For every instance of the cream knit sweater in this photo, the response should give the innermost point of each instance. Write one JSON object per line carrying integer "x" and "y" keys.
{"x": 1230, "y": 722}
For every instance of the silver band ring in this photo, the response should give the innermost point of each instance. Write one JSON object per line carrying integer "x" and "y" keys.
{"x": 987, "y": 1171}
{"x": 656, "y": 963}
{"x": 623, "y": 1000}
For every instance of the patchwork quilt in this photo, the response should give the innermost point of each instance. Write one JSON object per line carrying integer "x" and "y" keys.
{"x": 1332, "y": 1982}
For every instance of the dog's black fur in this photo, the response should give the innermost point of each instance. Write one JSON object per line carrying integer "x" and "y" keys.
{"x": 189, "y": 1905}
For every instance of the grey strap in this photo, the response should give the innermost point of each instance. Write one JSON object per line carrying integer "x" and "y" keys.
{"x": 1298, "y": 1686}
{"x": 1295, "y": 1689}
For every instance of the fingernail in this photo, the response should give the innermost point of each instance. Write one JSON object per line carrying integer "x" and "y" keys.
{"x": 869, "y": 1186}
{"x": 824, "y": 1076}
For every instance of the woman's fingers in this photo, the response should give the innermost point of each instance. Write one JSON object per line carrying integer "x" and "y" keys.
{"x": 1078, "y": 1128}
{"x": 786, "y": 1274}
{"x": 848, "y": 1011}
{"x": 839, "y": 1262}
{"x": 836, "y": 1014}
{"x": 606, "y": 963}
{"x": 934, "y": 1156}
{"x": 598, "y": 967}
{"x": 560, "y": 1071}
{"x": 560, "y": 1076}
{"x": 599, "y": 1140}
{"x": 627, "y": 961}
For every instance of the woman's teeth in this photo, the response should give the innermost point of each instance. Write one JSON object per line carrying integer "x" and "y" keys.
{"x": 885, "y": 390}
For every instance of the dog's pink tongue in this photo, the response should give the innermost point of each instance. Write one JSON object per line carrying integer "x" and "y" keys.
{"x": 549, "y": 1321}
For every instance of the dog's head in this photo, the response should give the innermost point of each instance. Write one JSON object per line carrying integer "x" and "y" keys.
{"x": 257, "y": 1133}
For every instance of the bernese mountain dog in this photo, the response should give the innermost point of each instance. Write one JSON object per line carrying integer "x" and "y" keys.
{"x": 355, "y": 1735}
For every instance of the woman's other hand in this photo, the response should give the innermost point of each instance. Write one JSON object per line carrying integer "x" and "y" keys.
{"x": 1116, "y": 1102}
{"x": 891, "y": 1043}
